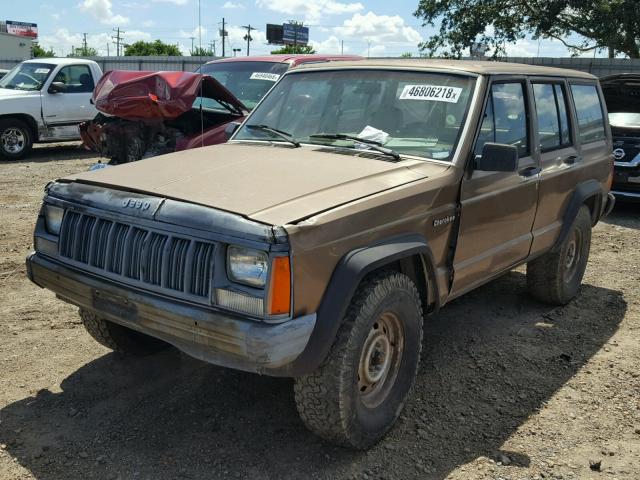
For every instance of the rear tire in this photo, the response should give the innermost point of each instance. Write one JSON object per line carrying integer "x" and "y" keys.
{"x": 16, "y": 139}
{"x": 556, "y": 276}
{"x": 118, "y": 338}
{"x": 355, "y": 397}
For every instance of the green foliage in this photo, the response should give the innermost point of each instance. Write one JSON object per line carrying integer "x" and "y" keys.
{"x": 294, "y": 49}
{"x": 202, "y": 52}
{"x": 145, "y": 49}
{"x": 38, "y": 51}
{"x": 406, "y": 55}
{"x": 84, "y": 52}
{"x": 611, "y": 24}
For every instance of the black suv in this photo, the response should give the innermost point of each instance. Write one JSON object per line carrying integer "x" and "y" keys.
{"x": 622, "y": 95}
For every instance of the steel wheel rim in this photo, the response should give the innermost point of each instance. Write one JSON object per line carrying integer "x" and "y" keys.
{"x": 380, "y": 359}
{"x": 13, "y": 140}
{"x": 573, "y": 255}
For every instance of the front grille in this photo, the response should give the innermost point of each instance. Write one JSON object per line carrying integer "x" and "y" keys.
{"x": 631, "y": 147}
{"x": 137, "y": 254}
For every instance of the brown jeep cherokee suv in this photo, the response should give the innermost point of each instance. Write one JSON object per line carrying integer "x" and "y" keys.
{"x": 355, "y": 200}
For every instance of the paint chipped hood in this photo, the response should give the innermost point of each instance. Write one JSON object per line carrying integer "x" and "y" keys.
{"x": 275, "y": 185}
{"x": 157, "y": 95}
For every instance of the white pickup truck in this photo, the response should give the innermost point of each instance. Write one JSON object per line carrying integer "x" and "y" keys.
{"x": 44, "y": 100}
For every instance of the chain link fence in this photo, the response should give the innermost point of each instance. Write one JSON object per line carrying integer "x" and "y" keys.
{"x": 597, "y": 66}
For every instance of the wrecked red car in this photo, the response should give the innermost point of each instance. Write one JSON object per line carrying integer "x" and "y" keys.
{"x": 144, "y": 114}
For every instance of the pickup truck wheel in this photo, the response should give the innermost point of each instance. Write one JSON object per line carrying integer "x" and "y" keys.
{"x": 16, "y": 139}
{"x": 355, "y": 397}
{"x": 556, "y": 276}
{"x": 118, "y": 338}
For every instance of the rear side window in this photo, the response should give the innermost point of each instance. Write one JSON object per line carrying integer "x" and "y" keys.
{"x": 505, "y": 118}
{"x": 553, "y": 123}
{"x": 589, "y": 111}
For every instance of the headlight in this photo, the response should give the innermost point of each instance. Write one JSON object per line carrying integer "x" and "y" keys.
{"x": 53, "y": 218}
{"x": 247, "y": 265}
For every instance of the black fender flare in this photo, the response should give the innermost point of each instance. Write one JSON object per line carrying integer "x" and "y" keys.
{"x": 348, "y": 274}
{"x": 583, "y": 192}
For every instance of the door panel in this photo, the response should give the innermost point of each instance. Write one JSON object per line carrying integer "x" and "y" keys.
{"x": 498, "y": 208}
{"x": 71, "y": 106}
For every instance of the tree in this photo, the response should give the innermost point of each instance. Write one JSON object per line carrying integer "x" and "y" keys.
{"x": 611, "y": 24}
{"x": 38, "y": 51}
{"x": 406, "y": 55}
{"x": 84, "y": 52}
{"x": 145, "y": 49}
{"x": 201, "y": 52}
{"x": 295, "y": 49}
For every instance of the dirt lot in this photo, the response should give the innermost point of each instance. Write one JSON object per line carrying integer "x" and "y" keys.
{"x": 509, "y": 388}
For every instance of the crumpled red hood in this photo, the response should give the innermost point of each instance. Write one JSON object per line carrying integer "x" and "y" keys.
{"x": 150, "y": 95}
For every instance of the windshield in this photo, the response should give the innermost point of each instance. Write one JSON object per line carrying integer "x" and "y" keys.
{"x": 411, "y": 113}
{"x": 248, "y": 81}
{"x": 27, "y": 76}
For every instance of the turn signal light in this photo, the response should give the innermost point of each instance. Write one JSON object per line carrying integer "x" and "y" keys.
{"x": 279, "y": 301}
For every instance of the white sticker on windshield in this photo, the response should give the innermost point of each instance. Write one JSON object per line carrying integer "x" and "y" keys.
{"x": 42, "y": 70}
{"x": 272, "y": 77}
{"x": 431, "y": 92}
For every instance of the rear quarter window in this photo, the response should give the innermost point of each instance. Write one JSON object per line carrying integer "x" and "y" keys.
{"x": 589, "y": 113}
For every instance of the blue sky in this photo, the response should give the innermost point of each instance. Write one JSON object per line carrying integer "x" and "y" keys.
{"x": 375, "y": 27}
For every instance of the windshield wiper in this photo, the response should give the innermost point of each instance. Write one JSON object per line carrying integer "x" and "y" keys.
{"x": 377, "y": 146}
{"x": 284, "y": 135}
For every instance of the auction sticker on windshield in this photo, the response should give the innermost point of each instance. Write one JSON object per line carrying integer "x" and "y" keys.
{"x": 272, "y": 77}
{"x": 431, "y": 92}
{"x": 42, "y": 70}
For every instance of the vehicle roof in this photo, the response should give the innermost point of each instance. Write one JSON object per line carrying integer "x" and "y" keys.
{"x": 59, "y": 61}
{"x": 464, "y": 66}
{"x": 287, "y": 58}
{"x": 620, "y": 77}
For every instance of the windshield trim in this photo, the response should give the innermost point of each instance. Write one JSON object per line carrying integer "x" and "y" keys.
{"x": 465, "y": 125}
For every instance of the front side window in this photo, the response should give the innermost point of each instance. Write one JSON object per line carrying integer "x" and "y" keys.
{"x": 27, "y": 76}
{"x": 589, "y": 112}
{"x": 76, "y": 78}
{"x": 505, "y": 118}
{"x": 413, "y": 113}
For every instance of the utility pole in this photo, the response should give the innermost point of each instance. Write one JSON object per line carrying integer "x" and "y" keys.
{"x": 369, "y": 49}
{"x": 84, "y": 44}
{"x": 108, "y": 49}
{"x": 247, "y": 37}
{"x": 192, "y": 39}
{"x": 117, "y": 40}
{"x": 341, "y": 47}
{"x": 223, "y": 33}
{"x": 212, "y": 47}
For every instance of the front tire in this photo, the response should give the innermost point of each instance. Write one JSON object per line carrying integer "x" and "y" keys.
{"x": 16, "y": 139}
{"x": 556, "y": 276}
{"x": 118, "y": 338}
{"x": 355, "y": 397}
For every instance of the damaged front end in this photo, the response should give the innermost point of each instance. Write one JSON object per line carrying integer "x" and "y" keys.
{"x": 144, "y": 114}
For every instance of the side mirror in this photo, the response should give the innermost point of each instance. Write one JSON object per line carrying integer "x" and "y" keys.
{"x": 57, "y": 87}
{"x": 230, "y": 129}
{"x": 497, "y": 157}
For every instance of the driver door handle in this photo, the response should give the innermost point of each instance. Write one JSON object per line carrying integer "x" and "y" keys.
{"x": 571, "y": 159}
{"x": 529, "y": 172}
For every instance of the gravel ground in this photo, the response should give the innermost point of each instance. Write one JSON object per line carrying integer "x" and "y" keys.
{"x": 508, "y": 389}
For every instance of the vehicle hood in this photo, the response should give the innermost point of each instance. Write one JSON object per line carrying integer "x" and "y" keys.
{"x": 9, "y": 93}
{"x": 270, "y": 184}
{"x": 157, "y": 95}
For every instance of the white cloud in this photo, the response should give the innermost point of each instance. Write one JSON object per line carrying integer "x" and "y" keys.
{"x": 235, "y": 39}
{"x": 378, "y": 29}
{"x": 102, "y": 10}
{"x": 194, "y": 32}
{"x": 148, "y": 23}
{"x": 175, "y": 2}
{"x": 331, "y": 45}
{"x": 231, "y": 5}
{"x": 311, "y": 10}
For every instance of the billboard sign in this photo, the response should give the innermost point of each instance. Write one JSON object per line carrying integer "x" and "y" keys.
{"x": 295, "y": 34}
{"x": 23, "y": 29}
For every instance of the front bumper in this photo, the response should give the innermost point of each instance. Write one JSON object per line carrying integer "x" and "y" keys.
{"x": 222, "y": 339}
